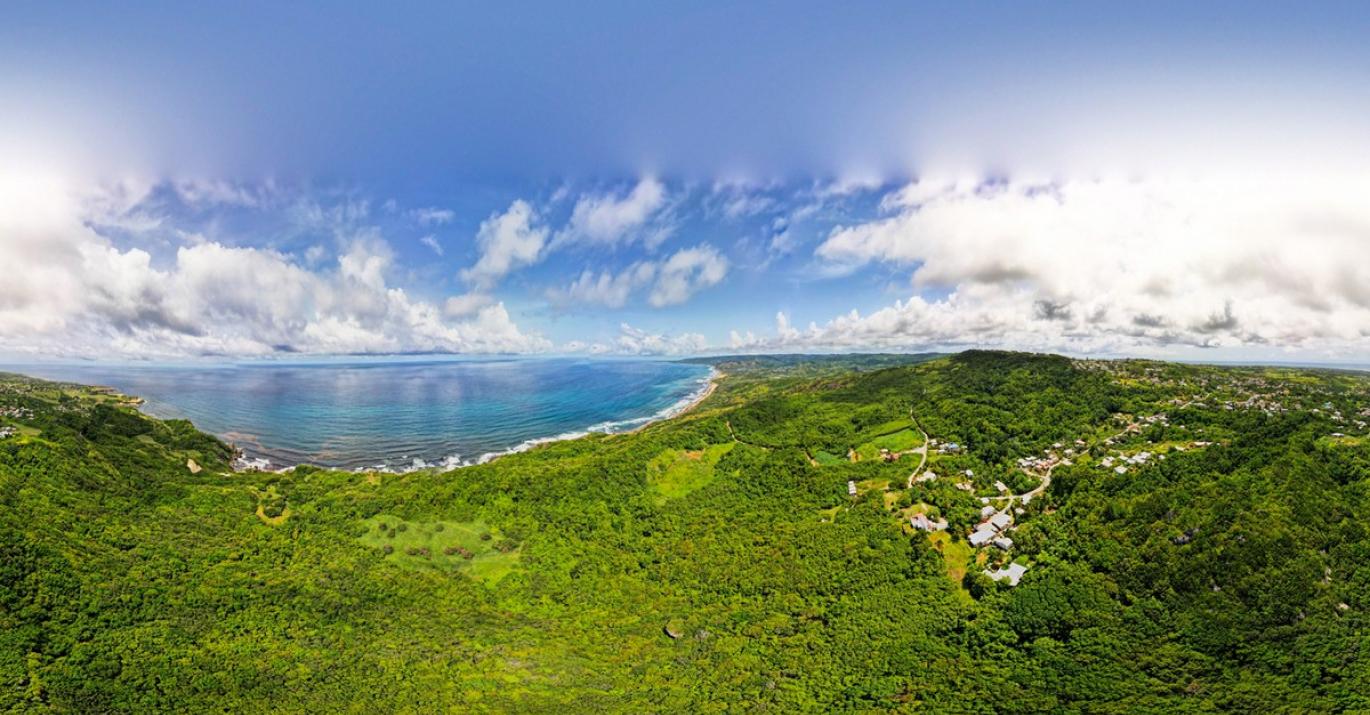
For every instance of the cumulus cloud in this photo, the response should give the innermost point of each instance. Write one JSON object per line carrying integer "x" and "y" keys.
{"x": 634, "y": 341}
{"x": 612, "y": 218}
{"x": 673, "y": 281}
{"x": 687, "y": 272}
{"x": 466, "y": 304}
{"x": 606, "y": 288}
{"x": 1112, "y": 265}
{"x": 506, "y": 241}
{"x": 70, "y": 291}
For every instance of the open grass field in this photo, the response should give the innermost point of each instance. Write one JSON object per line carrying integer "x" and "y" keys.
{"x": 473, "y": 547}
{"x": 675, "y": 473}
{"x": 955, "y": 554}
{"x": 903, "y": 440}
{"x": 827, "y": 459}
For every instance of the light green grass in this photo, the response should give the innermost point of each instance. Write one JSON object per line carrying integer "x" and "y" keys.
{"x": 487, "y": 564}
{"x": 675, "y": 473}
{"x": 867, "y": 452}
{"x": 955, "y": 558}
{"x": 901, "y": 441}
{"x": 827, "y": 458}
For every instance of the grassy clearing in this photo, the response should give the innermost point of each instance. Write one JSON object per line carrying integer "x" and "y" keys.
{"x": 903, "y": 440}
{"x": 675, "y": 473}
{"x": 472, "y": 547}
{"x": 886, "y": 428}
{"x": 955, "y": 555}
{"x": 271, "y": 506}
{"x": 866, "y": 452}
{"x": 877, "y": 484}
{"x": 827, "y": 459}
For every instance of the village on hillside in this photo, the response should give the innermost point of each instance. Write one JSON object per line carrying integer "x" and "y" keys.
{"x": 1003, "y": 498}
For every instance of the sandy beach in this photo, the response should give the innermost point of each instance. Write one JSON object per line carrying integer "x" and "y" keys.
{"x": 713, "y": 385}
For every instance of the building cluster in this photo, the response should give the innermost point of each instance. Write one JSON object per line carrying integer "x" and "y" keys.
{"x": 16, "y": 413}
{"x": 7, "y": 432}
{"x": 1123, "y": 461}
{"x": 991, "y": 529}
{"x": 945, "y": 447}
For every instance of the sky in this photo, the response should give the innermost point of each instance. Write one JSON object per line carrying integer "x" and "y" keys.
{"x": 277, "y": 180}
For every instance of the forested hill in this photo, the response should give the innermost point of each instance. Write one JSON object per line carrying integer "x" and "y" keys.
{"x": 1165, "y": 538}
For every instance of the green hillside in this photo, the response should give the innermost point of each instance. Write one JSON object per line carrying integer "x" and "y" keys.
{"x": 1196, "y": 539}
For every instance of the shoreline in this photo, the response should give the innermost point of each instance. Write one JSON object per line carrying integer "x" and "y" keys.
{"x": 714, "y": 376}
{"x": 243, "y": 463}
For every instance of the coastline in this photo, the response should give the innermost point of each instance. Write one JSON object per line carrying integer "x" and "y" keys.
{"x": 244, "y": 463}
{"x": 714, "y": 376}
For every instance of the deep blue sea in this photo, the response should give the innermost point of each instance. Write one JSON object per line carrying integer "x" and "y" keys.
{"x": 399, "y": 414}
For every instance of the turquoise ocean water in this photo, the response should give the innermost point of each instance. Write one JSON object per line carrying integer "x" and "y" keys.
{"x": 399, "y": 414}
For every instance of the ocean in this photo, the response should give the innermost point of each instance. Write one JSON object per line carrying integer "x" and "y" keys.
{"x": 399, "y": 415}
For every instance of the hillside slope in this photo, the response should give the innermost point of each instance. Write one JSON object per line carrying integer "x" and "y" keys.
{"x": 717, "y": 561}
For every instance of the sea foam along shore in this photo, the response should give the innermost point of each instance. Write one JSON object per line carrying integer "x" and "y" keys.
{"x": 685, "y": 404}
{"x": 707, "y": 385}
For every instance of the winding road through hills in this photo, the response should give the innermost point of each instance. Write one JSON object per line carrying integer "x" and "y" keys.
{"x": 922, "y": 451}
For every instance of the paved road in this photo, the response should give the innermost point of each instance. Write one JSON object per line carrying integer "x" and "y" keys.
{"x": 922, "y": 451}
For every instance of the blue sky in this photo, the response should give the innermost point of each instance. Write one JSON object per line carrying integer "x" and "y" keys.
{"x": 1173, "y": 179}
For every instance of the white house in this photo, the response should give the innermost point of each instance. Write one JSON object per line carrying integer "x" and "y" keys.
{"x": 1014, "y": 572}
{"x": 982, "y": 536}
{"x": 921, "y": 522}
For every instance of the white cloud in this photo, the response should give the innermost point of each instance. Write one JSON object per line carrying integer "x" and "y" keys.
{"x": 606, "y": 288}
{"x": 432, "y": 216}
{"x": 634, "y": 341}
{"x": 70, "y": 291}
{"x": 431, "y": 242}
{"x": 215, "y": 192}
{"x": 466, "y": 304}
{"x": 687, "y": 272}
{"x": 612, "y": 219}
{"x": 1114, "y": 265}
{"x": 673, "y": 281}
{"x": 507, "y": 241}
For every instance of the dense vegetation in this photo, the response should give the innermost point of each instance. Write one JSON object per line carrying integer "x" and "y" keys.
{"x": 716, "y": 561}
